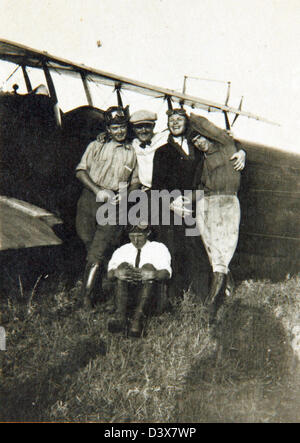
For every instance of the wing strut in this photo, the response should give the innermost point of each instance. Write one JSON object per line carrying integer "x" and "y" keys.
{"x": 169, "y": 100}
{"x": 225, "y": 113}
{"x": 227, "y": 123}
{"x": 237, "y": 115}
{"x": 118, "y": 91}
{"x": 52, "y": 93}
{"x": 27, "y": 79}
{"x": 86, "y": 88}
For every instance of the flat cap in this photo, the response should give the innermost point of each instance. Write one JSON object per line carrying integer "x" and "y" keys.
{"x": 143, "y": 117}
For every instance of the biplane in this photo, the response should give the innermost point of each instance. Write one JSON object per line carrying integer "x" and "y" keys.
{"x": 41, "y": 145}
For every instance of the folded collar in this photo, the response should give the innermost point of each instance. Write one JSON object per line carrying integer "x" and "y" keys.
{"x": 115, "y": 144}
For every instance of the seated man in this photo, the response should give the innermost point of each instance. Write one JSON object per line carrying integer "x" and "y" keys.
{"x": 137, "y": 265}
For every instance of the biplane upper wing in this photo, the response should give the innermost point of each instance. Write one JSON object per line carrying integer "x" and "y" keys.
{"x": 23, "y": 225}
{"x": 25, "y": 56}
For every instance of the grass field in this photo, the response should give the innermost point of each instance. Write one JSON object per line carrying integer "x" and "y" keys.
{"x": 61, "y": 363}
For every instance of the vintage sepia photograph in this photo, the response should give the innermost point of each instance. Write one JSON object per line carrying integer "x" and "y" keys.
{"x": 149, "y": 214}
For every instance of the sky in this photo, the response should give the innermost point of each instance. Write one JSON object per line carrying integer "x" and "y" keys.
{"x": 254, "y": 44}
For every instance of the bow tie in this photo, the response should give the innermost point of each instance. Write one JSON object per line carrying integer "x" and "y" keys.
{"x": 144, "y": 144}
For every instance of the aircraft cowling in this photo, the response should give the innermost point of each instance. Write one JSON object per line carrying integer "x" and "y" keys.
{"x": 38, "y": 158}
{"x": 28, "y": 140}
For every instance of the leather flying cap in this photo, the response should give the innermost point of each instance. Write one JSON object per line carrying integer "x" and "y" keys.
{"x": 143, "y": 117}
{"x": 179, "y": 111}
{"x": 199, "y": 125}
{"x": 116, "y": 115}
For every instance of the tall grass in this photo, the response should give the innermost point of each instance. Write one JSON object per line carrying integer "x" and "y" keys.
{"x": 62, "y": 364}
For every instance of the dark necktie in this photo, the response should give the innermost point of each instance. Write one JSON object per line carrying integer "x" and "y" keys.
{"x": 138, "y": 258}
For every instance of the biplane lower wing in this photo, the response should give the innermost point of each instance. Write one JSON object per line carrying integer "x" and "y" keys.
{"x": 25, "y": 226}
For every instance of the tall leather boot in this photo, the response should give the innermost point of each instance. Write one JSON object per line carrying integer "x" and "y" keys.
{"x": 91, "y": 276}
{"x": 118, "y": 322}
{"x": 215, "y": 294}
{"x": 141, "y": 310}
{"x": 230, "y": 284}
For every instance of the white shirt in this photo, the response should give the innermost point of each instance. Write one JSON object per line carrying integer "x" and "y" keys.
{"x": 145, "y": 156}
{"x": 153, "y": 252}
{"x": 182, "y": 141}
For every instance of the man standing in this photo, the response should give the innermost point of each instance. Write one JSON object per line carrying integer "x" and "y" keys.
{"x": 174, "y": 167}
{"x": 138, "y": 267}
{"x": 146, "y": 143}
{"x": 106, "y": 163}
{"x": 218, "y": 214}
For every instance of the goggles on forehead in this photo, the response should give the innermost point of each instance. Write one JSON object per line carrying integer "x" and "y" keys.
{"x": 117, "y": 113}
{"x": 178, "y": 111}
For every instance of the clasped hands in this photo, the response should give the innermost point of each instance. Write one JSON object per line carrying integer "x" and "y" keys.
{"x": 129, "y": 273}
